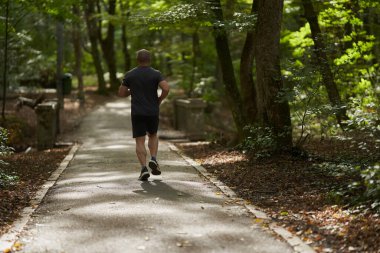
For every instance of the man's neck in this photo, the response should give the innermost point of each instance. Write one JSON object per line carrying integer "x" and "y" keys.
{"x": 144, "y": 65}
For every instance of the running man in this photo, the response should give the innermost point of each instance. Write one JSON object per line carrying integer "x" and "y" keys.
{"x": 142, "y": 84}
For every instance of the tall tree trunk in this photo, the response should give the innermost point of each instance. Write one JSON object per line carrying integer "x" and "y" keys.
{"x": 59, "y": 67}
{"x": 5, "y": 70}
{"x": 92, "y": 30}
{"x": 273, "y": 110}
{"x": 196, "y": 55}
{"x": 323, "y": 62}
{"x": 124, "y": 38}
{"x": 247, "y": 85}
{"x": 223, "y": 50}
{"x": 77, "y": 44}
{"x": 230, "y": 9}
{"x": 108, "y": 47}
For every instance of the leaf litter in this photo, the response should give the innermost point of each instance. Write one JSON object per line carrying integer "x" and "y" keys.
{"x": 295, "y": 194}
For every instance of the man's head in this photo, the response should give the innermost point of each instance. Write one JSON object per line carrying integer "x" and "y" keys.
{"x": 143, "y": 57}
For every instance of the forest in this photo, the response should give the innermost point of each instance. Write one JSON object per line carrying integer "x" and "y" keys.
{"x": 292, "y": 89}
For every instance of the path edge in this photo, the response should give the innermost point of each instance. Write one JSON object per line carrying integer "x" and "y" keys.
{"x": 8, "y": 239}
{"x": 294, "y": 241}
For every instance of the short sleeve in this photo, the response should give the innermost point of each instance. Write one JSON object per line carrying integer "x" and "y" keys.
{"x": 125, "y": 81}
{"x": 160, "y": 77}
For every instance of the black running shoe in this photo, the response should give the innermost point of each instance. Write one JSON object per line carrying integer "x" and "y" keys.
{"x": 153, "y": 165}
{"x": 144, "y": 175}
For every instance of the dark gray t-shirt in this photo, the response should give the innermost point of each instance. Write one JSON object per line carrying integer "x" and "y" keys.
{"x": 143, "y": 84}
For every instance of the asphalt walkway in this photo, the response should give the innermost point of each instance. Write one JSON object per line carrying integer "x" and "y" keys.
{"x": 98, "y": 205}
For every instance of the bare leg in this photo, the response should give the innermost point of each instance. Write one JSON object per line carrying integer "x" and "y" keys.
{"x": 153, "y": 144}
{"x": 140, "y": 150}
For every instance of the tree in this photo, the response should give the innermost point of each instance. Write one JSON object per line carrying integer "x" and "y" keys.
{"x": 323, "y": 62}
{"x": 248, "y": 88}
{"x": 224, "y": 55}
{"x": 77, "y": 44}
{"x": 273, "y": 109}
{"x": 59, "y": 66}
{"x": 5, "y": 62}
{"x": 108, "y": 44}
{"x": 92, "y": 29}
{"x": 124, "y": 39}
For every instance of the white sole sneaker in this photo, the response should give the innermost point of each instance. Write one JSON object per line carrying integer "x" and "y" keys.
{"x": 153, "y": 165}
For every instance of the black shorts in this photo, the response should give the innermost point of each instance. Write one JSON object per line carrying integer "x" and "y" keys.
{"x": 144, "y": 124}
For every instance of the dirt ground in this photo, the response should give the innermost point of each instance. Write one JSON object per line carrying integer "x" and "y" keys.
{"x": 26, "y": 172}
{"x": 295, "y": 192}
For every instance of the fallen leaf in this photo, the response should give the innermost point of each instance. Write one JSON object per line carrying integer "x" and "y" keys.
{"x": 7, "y": 250}
{"x": 17, "y": 246}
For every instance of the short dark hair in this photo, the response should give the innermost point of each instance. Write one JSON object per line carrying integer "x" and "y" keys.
{"x": 143, "y": 56}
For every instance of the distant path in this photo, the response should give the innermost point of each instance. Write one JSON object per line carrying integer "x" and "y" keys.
{"x": 98, "y": 205}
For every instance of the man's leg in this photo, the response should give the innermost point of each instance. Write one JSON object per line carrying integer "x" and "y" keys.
{"x": 140, "y": 150}
{"x": 141, "y": 155}
{"x": 153, "y": 148}
{"x": 153, "y": 144}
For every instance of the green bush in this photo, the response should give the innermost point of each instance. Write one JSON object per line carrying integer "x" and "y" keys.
{"x": 259, "y": 140}
{"x": 371, "y": 181}
{"x": 4, "y": 149}
{"x": 5, "y": 179}
{"x": 364, "y": 189}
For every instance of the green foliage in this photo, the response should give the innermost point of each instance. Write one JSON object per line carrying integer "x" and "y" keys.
{"x": 259, "y": 140}
{"x": 7, "y": 180}
{"x": 206, "y": 90}
{"x": 371, "y": 181}
{"x": 365, "y": 117}
{"x": 4, "y": 148}
{"x": 365, "y": 189}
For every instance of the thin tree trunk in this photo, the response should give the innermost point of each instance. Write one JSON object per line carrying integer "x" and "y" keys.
{"x": 247, "y": 85}
{"x": 5, "y": 70}
{"x": 77, "y": 44}
{"x": 108, "y": 47}
{"x": 323, "y": 62}
{"x": 124, "y": 38}
{"x": 230, "y": 8}
{"x": 223, "y": 50}
{"x": 369, "y": 21}
{"x": 196, "y": 55}
{"x": 273, "y": 110}
{"x": 59, "y": 67}
{"x": 93, "y": 36}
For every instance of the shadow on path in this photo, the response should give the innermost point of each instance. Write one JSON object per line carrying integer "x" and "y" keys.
{"x": 157, "y": 188}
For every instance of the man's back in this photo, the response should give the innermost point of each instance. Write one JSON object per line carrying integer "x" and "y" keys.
{"x": 143, "y": 84}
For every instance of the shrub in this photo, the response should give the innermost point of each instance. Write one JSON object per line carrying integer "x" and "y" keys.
{"x": 5, "y": 179}
{"x": 259, "y": 140}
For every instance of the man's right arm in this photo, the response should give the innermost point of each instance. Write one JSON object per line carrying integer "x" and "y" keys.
{"x": 165, "y": 90}
{"x": 123, "y": 91}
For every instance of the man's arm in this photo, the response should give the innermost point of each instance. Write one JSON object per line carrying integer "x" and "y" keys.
{"x": 123, "y": 91}
{"x": 165, "y": 90}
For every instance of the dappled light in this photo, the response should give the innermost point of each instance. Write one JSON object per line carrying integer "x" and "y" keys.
{"x": 190, "y": 126}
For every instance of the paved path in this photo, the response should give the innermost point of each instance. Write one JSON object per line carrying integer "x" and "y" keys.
{"x": 98, "y": 205}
